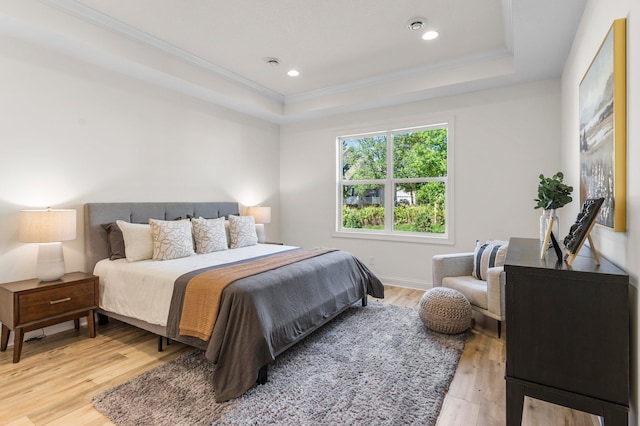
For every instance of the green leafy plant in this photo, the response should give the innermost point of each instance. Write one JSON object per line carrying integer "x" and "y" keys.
{"x": 351, "y": 219}
{"x": 552, "y": 192}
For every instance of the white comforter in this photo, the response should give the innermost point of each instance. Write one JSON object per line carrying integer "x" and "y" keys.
{"x": 143, "y": 289}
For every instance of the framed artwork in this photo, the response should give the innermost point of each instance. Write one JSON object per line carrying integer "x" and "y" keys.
{"x": 581, "y": 229}
{"x": 603, "y": 129}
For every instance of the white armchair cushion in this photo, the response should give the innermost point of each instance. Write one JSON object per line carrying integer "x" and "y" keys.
{"x": 474, "y": 290}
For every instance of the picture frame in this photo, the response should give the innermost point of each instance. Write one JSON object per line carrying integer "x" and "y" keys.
{"x": 580, "y": 231}
{"x": 602, "y": 104}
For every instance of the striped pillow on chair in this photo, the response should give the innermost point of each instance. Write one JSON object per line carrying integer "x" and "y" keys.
{"x": 488, "y": 255}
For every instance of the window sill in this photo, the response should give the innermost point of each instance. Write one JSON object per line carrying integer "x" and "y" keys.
{"x": 408, "y": 238}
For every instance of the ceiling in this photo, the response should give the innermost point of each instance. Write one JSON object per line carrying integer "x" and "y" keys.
{"x": 351, "y": 55}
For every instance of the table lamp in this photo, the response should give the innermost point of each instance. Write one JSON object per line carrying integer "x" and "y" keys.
{"x": 261, "y": 215}
{"x": 49, "y": 228}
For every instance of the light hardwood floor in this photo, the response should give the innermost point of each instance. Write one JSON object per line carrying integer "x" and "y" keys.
{"x": 56, "y": 378}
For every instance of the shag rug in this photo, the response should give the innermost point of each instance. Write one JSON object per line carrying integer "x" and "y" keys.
{"x": 376, "y": 365}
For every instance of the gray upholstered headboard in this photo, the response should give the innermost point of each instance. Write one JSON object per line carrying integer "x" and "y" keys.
{"x": 96, "y": 214}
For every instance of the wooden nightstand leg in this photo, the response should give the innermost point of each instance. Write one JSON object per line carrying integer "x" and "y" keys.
{"x": 5, "y": 338}
{"x": 17, "y": 344}
{"x": 91, "y": 324}
{"x": 76, "y": 323}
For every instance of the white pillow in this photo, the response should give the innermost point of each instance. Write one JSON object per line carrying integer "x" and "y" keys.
{"x": 172, "y": 239}
{"x": 242, "y": 231}
{"x": 209, "y": 234}
{"x": 138, "y": 244}
{"x": 488, "y": 255}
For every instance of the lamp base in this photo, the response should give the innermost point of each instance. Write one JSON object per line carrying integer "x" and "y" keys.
{"x": 50, "y": 265}
{"x": 260, "y": 233}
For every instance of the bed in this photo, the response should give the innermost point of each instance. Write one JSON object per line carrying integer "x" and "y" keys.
{"x": 259, "y": 316}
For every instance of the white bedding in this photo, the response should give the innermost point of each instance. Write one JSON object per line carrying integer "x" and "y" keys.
{"x": 143, "y": 289}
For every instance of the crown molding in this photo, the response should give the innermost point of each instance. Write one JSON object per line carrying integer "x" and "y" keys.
{"x": 17, "y": 28}
{"x": 89, "y": 14}
{"x": 398, "y": 76}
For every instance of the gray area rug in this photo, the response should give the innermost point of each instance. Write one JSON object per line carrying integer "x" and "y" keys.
{"x": 376, "y": 365}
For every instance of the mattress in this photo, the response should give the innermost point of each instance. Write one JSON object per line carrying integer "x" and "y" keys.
{"x": 143, "y": 290}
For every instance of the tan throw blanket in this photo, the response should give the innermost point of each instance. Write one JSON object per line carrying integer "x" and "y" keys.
{"x": 203, "y": 292}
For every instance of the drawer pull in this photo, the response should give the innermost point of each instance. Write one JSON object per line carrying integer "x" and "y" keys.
{"x": 53, "y": 302}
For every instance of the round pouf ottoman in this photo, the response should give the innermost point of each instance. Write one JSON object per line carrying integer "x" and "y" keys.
{"x": 445, "y": 310}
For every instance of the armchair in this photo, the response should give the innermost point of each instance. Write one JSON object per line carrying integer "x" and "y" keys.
{"x": 487, "y": 297}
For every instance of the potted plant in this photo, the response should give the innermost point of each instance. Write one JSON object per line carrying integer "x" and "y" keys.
{"x": 552, "y": 194}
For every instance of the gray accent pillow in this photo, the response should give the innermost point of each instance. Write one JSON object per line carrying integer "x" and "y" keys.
{"x": 115, "y": 241}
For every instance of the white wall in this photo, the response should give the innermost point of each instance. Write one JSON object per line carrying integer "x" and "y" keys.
{"x": 622, "y": 248}
{"x": 504, "y": 138}
{"x": 73, "y": 133}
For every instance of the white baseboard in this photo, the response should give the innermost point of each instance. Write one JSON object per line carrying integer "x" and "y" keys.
{"x": 406, "y": 283}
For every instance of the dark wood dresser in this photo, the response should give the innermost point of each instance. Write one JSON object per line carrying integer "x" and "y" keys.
{"x": 568, "y": 333}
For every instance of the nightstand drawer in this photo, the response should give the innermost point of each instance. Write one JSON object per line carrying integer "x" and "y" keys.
{"x": 55, "y": 301}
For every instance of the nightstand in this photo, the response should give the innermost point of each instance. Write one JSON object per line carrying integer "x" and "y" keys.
{"x": 31, "y": 304}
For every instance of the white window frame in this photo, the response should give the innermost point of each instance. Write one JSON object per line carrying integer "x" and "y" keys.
{"x": 389, "y": 186}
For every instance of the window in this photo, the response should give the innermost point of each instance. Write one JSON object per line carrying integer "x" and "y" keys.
{"x": 395, "y": 182}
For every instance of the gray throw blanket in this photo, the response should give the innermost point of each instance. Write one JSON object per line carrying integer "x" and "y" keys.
{"x": 263, "y": 315}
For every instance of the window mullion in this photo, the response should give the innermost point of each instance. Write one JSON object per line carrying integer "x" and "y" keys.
{"x": 389, "y": 187}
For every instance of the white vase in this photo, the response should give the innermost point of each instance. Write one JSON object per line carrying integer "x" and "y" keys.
{"x": 545, "y": 218}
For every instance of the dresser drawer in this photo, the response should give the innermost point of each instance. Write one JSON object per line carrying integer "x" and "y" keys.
{"x": 46, "y": 303}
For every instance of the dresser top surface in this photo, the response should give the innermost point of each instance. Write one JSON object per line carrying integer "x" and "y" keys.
{"x": 525, "y": 253}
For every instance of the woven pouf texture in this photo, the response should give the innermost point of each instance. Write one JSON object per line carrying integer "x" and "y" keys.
{"x": 445, "y": 310}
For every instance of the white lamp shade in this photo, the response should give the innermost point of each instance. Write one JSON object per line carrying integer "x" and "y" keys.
{"x": 260, "y": 214}
{"x": 47, "y": 226}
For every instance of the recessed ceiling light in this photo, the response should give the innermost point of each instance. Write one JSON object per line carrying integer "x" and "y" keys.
{"x": 293, "y": 73}
{"x": 274, "y": 62}
{"x": 416, "y": 23}
{"x": 430, "y": 35}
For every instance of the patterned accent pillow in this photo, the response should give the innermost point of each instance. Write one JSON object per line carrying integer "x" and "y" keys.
{"x": 209, "y": 235}
{"x": 488, "y": 255}
{"x": 171, "y": 239}
{"x": 242, "y": 231}
{"x": 138, "y": 244}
